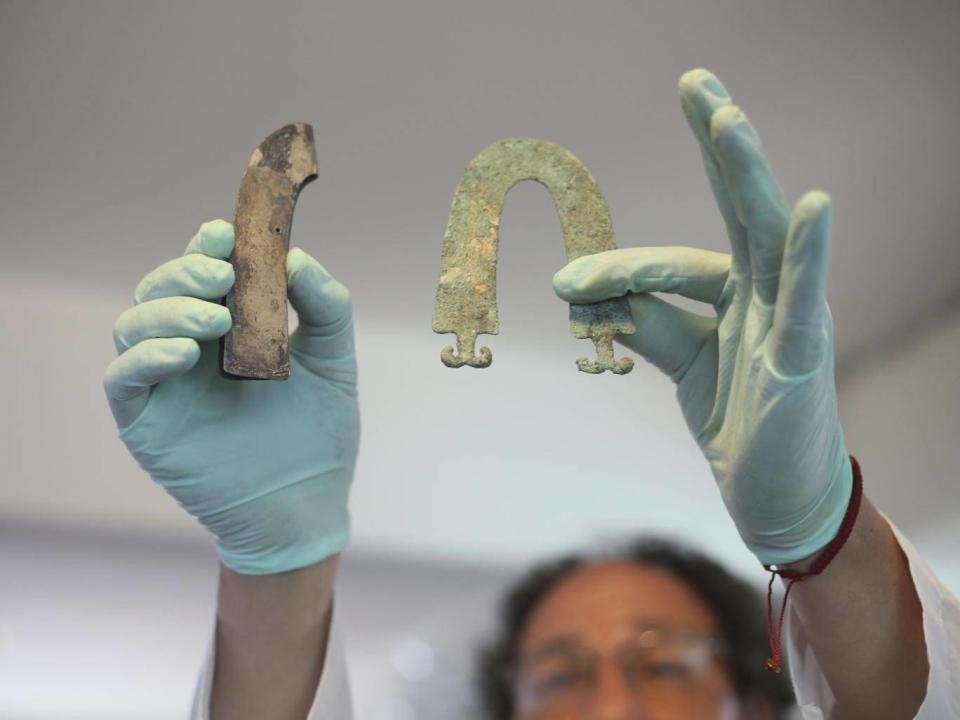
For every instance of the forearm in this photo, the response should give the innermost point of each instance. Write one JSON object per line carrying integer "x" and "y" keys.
{"x": 863, "y": 619}
{"x": 271, "y": 640}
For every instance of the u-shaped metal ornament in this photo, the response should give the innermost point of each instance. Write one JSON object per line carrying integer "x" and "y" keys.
{"x": 467, "y": 293}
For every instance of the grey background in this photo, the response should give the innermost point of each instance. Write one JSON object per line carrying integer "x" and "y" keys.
{"x": 123, "y": 126}
{"x": 126, "y": 124}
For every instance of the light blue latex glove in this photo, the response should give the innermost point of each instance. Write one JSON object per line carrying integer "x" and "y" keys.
{"x": 266, "y": 466}
{"x": 756, "y": 382}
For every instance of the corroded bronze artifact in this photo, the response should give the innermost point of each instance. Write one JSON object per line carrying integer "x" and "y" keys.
{"x": 257, "y": 344}
{"x": 467, "y": 292}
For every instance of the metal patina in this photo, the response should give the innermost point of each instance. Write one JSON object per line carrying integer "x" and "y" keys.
{"x": 257, "y": 345}
{"x": 467, "y": 293}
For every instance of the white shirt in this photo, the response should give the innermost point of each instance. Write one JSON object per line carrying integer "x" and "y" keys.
{"x": 941, "y": 627}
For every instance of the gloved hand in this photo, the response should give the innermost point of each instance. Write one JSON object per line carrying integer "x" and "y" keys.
{"x": 755, "y": 383}
{"x": 266, "y": 466}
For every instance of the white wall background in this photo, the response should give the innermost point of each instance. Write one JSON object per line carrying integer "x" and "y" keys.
{"x": 901, "y": 416}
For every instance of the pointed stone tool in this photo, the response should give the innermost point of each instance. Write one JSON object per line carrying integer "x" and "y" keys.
{"x": 257, "y": 345}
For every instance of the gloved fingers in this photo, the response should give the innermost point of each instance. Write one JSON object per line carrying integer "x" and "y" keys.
{"x": 170, "y": 317}
{"x": 691, "y": 272}
{"x": 193, "y": 275}
{"x": 667, "y": 336}
{"x": 701, "y": 95}
{"x": 214, "y": 239}
{"x": 800, "y": 336}
{"x": 323, "y": 305}
{"x": 758, "y": 199}
{"x": 128, "y": 379}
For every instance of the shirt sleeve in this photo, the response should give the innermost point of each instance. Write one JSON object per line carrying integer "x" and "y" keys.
{"x": 941, "y": 629}
{"x": 332, "y": 699}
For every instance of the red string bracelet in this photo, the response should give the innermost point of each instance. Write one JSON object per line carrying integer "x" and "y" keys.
{"x": 818, "y": 566}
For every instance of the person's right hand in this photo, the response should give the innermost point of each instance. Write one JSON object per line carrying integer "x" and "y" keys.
{"x": 755, "y": 382}
{"x": 266, "y": 466}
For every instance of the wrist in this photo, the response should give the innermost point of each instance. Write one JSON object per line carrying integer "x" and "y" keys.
{"x": 295, "y": 600}
{"x": 272, "y": 633}
{"x": 810, "y": 567}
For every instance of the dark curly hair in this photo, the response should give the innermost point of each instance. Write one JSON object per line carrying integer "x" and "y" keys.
{"x": 738, "y": 608}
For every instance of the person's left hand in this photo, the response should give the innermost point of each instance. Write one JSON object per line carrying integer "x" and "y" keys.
{"x": 265, "y": 466}
{"x": 755, "y": 383}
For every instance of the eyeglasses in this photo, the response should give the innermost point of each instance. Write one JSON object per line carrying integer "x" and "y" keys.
{"x": 663, "y": 666}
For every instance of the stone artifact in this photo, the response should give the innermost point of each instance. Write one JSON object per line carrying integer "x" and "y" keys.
{"x": 467, "y": 293}
{"x": 256, "y": 346}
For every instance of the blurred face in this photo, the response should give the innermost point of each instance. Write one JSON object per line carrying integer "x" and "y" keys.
{"x": 621, "y": 641}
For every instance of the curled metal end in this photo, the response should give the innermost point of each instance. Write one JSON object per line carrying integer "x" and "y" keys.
{"x": 464, "y": 354}
{"x": 605, "y": 358}
{"x": 450, "y": 358}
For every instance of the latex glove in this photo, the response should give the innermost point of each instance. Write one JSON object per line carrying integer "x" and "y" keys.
{"x": 264, "y": 465}
{"x": 756, "y": 382}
